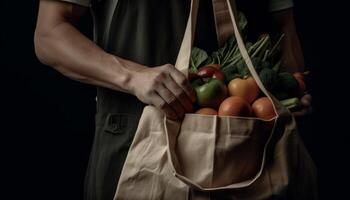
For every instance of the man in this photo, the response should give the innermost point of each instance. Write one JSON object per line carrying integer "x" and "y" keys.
{"x": 129, "y": 62}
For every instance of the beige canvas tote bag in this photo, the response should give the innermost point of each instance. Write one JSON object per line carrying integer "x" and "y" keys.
{"x": 214, "y": 157}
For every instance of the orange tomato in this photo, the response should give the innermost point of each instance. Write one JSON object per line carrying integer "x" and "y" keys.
{"x": 263, "y": 108}
{"x": 235, "y": 106}
{"x": 207, "y": 111}
{"x": 245, "y": 88}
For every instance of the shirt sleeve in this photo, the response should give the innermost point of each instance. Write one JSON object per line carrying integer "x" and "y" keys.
{"x": 276, "y": 5}
{"x": 86, "y": 3}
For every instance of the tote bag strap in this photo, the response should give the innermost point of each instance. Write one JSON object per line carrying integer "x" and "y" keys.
{"x": 183, "y": 58}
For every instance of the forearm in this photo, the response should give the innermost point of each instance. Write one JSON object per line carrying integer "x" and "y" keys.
{"x": 292, "y": 55}
{"x": 71, "y": 53}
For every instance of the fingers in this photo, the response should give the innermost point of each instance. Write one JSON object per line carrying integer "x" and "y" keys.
{"x": 171, "y": 100}
{"x": 176, "y": 90}
{"x": 164, "y": 106}
{"x": 182, "y": 81}
{"x": 304, "y": 112}
{"x": 300, "y": 113}
{"x": 306, "y": 100}
{"x": 168, "y": 89}
{"x": 180, "y": 95}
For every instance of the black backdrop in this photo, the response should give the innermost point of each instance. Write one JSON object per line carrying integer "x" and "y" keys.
{"x": 48, "y": 120}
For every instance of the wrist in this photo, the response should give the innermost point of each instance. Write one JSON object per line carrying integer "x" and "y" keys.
{"x": 125, "y": 73}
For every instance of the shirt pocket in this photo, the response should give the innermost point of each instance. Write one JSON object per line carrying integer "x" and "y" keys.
{"x": 119, "y": 123}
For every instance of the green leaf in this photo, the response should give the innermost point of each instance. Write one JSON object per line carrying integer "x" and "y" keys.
{"x": 287, "y": 82}
{"x": 281, "y": 95}
{"x": 277, "y": 66}
{"x": 269, "y": 78}
{"x": 198, "y": 56}
{"x": 253, "y": 50}
{"x": 192, "y": 69}
{"x": 216, "y": 57}
{"x": 290, "y": 102}
{"x": 263, "y": 46}
{"x": 275, "y": 52}
{"x": 231, "y": 42}
{"x": 230, "y": 72}
{"x": 242, "y": 22}
{"x": 266, "y": 55}
{"x": 259, "y": 64}
{"x": 242, "y": 68}
{"x": 277, "y": 45}
{"x": 209, "y": 61}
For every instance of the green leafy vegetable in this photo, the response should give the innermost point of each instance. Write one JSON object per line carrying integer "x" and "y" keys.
{"x": 281, "y": 94}
{"x": 291, "y": 103}
{"x": 242, "y": 22}
{"x": 230, "y": 73}
{"x": 198, "y": 56}
{"x": 269, "y": 78}
{"x": 287, "y": 81}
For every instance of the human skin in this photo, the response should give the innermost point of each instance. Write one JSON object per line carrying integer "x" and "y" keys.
{"x": 60, "y": 45}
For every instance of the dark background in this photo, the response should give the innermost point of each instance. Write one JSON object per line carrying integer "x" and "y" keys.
{"x": 48, "y": 120}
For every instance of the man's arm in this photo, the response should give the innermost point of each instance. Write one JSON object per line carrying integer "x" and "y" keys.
{"x": 292, "y": 54}
{"x": 60, "y": 45}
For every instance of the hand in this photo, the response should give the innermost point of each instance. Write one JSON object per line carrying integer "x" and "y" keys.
{"x": 166, "y": 88}
{"x": 306, "y": 109}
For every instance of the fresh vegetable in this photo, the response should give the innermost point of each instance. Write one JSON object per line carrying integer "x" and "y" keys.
{"x": 262, "y": 46}
{"x": 210, "y": 92}
{"x": 263, "y": 108}
{"x": 228, "y": 65}
{"x": 242, "y": 69}
{"x": 207, "y": 111}
{"x": 242, "y": 22}
{"x": 210, "y": 71}
{"x": 198, "y": 56}
{"x": 245, "y": 88}
{"x": 235, "y": 106}
{"x": 291, "y": 103}
{"x": 276, "y": 67}
{"x": 281, "y": 94}
{"x": 287, "y": 82}
{"x": 269, "y": 78}
{"x": 230, "y": 73}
